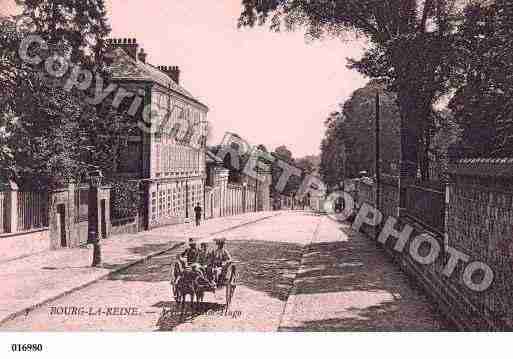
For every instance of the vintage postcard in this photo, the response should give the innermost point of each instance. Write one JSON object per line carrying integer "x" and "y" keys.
{"x": 255, "y": 166}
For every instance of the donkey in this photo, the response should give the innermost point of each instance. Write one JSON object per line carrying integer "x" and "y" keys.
{"x": 194, "y": 285}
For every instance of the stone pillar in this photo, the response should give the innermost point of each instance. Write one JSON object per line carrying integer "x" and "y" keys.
{"x": 264, "y": 193}
{"x": 11, "y": 208}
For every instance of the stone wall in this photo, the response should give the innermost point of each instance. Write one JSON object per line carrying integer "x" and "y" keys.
{"x": 389, "y": 196}
{"x": 124, "y": 226}
{"x": 480, "y": 224}
{"x": 73, "y": 233}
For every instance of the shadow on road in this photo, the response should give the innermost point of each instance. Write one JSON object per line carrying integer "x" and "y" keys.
{"x": 361, "y": 289}
{"x": 262, "y": 265}
{"x": 266, "y": 266}
{"x": 171, "y": 314}
{"x": 155, "y": 269}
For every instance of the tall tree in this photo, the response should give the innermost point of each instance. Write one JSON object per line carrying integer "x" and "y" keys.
{"x": 348, "y": 146}
{"x": 40, "y": 123}
{"x": 47, "y": 133}
{"x": 410, "y": 47}
{"x": 482, "y": 104}
{"x": 282, "y": 153}
{"x": 78, "y": 26}
{"x": 333, "y": 153}
{"x": 309, "y": 164}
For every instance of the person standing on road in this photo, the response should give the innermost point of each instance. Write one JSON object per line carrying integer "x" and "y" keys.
{"x": 197, "y": 211}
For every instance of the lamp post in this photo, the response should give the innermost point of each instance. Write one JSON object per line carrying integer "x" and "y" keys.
{"x": 95, "y": 180}
{"x": 256, "y": 194}
{"x": 244, "y": 188}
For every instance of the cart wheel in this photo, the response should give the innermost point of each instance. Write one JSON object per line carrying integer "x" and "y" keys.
{"x": 175, "y": 273}
{"x": 175, "y": 292}
{"x": 230, "y": 287}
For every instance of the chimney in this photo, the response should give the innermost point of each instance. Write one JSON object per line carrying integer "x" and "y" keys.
{"x": 142, "y": 56}
{"x": 130, "y": 46}
{"x": 171, "y": 71}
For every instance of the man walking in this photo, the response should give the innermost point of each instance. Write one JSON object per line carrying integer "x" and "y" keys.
{"x": 197, "y": 211}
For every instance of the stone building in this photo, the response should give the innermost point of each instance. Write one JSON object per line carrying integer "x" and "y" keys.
{"x": 167, "y": 149}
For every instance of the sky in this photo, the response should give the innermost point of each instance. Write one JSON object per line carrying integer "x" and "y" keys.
{"x": 270, "y": 88}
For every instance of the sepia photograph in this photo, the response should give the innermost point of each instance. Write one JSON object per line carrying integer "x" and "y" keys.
{"x": 255, "y": 166}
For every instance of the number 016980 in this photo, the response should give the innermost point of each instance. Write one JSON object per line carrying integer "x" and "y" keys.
{"x": 26, "y": 347}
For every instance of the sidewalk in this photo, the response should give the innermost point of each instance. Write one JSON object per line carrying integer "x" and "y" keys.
{"x": 34, "y": 280}
{"x": 347, "y": 283}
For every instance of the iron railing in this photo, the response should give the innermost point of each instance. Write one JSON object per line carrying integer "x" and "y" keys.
{"x": 426, "y": 205}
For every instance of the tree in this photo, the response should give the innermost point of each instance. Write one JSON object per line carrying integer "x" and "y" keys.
{"x": 308, "y": 164}
{"x": 349, "y": 143}
{"x": 41, "y": 137}
{"x": 50, "y": 136}
{"x": 80, "y": 27}
{"x": 333, "y": 153}
{"x": 448, "y": 135}
{"x": 482, "y": 103}
{"x": 282, "y": 153}
{"x": 410, "y": 48}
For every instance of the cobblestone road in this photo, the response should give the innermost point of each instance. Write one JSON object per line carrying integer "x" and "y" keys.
{"x": 298, "y": 271}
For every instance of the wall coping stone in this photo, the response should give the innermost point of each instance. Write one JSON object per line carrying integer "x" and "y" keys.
{"x": 22, "y": 233}
{"x": 483, "y": 167}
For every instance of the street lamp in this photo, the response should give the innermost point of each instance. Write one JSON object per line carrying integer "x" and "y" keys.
{"x": 244, "y": 188}
{"x": 95, "y": 180}
{"x": 256, "y": 194}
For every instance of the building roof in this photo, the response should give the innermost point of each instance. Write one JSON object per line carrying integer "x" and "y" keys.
{"x": 125, "y": 67}
{"x": 483, "y": 167}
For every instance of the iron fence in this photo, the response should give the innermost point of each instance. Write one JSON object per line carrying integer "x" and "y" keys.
{"x": 426, "y": 205}
{"x": 32, "y": 210}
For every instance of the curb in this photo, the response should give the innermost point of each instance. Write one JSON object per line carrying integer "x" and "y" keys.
{"x": 27, "y": 310}
{"x": 175, "y": 245}
{"x": 291, "y": 303}
{"x": 245, "y": 224}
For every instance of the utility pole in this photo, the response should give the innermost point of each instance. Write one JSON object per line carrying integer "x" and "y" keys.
{"x": 377, "y": 170}
{"x": 186, "y": 199}
{"x": 256, "y": 195}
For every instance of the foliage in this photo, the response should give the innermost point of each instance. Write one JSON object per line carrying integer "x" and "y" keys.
{"x": 124, "y": 199}
{"x": 333, "y": 152}
{"x": 482, "y": 104}
{"x": 309, "y": 164}
{"x": 348, "y": 146}
{"x": 49, "y": 136}
{"x": 42, "y": 140}
{"x": 447, "y": 136}
{"x": 410, "y": 49}
{"x": 78, "y": 26}
{"x": 349, "y": 143}
{"x": 282, "y": 153}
